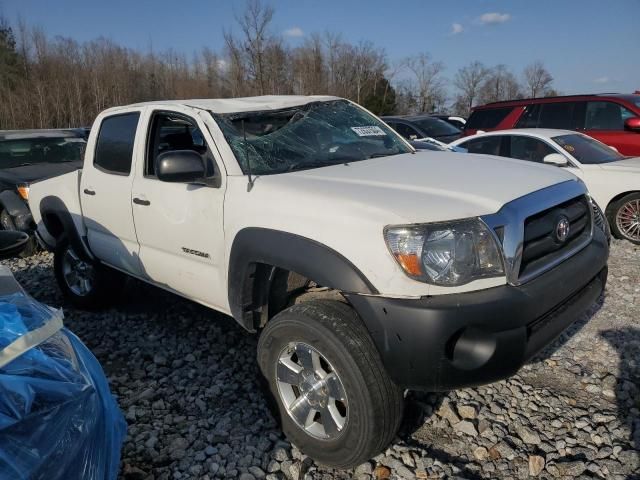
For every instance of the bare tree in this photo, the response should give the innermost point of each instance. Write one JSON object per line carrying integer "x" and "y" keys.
{"x": 468, "y": 81}
{"x": 255, "y": 26}
{"x": 500, "y": 84}
{"x": 428, "y": 77}
{"x": 537, "y": 79}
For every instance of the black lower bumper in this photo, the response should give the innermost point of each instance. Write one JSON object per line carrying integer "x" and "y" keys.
{"x": 457, "y": 340}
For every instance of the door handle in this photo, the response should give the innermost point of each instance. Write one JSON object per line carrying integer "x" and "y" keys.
{"x": 89, "y": 192}
{"x": 140, "y": 201}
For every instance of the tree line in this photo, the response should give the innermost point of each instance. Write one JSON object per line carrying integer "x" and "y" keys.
{"x": 60, "y": 82}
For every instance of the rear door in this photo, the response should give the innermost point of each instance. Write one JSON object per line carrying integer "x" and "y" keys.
{"x": 604, "y": 121}
{"x": 180, "y": 225}
{"x": 105, "y": 190}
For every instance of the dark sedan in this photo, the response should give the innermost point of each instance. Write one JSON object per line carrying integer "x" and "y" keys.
{"x": 27, "y": 156}
{"x": 417, "y": 127}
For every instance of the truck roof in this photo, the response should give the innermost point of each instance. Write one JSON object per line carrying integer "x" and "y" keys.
{"x": 242, "y": 104}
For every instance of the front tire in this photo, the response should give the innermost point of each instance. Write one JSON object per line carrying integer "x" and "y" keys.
{"x": 85, "y": 284}
{"x": 624, "y": 218}
{"x": 336, "y": 401}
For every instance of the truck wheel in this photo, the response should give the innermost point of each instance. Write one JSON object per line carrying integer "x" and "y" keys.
{"x": 336, "y": 401}
{"x": 624, "y": 218}
{"x": 86, "y": 285}
{"x": 7, "y": 223}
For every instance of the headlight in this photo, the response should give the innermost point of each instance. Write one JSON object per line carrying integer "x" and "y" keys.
{"x": 449, "y": 254}
{"x": 23, "y": 191}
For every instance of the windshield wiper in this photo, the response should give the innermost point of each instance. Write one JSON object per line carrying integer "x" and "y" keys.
{"x": 378, "y": 155}
{"x": 308, "y": 165}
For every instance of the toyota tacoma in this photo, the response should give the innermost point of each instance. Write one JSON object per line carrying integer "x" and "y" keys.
{"x": 367, "y": 268}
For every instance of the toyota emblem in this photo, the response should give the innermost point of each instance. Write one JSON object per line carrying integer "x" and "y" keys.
{"x": 562, "y": 229}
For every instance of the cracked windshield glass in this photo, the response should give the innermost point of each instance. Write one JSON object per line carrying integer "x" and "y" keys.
{"x": 308, "y": 136}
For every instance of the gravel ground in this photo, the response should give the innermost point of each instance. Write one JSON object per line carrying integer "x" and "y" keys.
{"x": 187, "y": 382}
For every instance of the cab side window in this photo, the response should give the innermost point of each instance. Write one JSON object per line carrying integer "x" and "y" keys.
{"x": 606, "y": 116}
{"x": 528, "y": 148}
{"x": 114, "y": 147}
{"x": 407, "y": 132}
{"x": 485, "y": 145}
{"x": 171, "y": 132}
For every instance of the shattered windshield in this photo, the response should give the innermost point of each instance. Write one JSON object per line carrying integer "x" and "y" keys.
{"x": 307, "y": 136}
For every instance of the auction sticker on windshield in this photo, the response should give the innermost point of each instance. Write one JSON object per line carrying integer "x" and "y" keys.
{"x": 372, "y": 131}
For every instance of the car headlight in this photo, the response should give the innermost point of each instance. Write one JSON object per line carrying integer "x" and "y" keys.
{"x": 449, "y": 254}
{"x": 23, "y": 191}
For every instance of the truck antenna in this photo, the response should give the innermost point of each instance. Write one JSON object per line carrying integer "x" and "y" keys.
{"x": 246, "y": 157}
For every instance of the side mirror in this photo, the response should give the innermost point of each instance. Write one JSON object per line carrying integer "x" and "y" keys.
{"x": 180, "y": 166}
{"x": 632, "y": 124}
{"x": 556, "y": 159}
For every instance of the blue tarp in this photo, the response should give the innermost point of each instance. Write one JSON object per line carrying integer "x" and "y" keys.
{"x": 58, "y": 419}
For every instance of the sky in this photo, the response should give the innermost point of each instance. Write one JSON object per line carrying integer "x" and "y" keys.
{"x": 588, "y": 46}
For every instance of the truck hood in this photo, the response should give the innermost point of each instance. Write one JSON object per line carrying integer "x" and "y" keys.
{"x": 421, "y": 187}
{"x": 36, "y": 172}
{"x": 628, "y": 164}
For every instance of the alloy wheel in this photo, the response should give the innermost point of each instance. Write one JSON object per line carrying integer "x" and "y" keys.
{"x": 628, "y": 220}
{"x": 78, "y": 274}
{"x": 311, "y": 391}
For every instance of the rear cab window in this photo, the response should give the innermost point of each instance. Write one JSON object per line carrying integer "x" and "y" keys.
{"x": 114, "y": 147}
{"x": 487, "y": 118}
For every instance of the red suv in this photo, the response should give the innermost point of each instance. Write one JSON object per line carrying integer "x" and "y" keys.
{"x": 614, "y": 119}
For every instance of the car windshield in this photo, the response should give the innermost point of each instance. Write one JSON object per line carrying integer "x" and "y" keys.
{"x": 16, "y": 151}
{"x": 434, "y": 127}
{"x": 587, "y": 150}
{"x": 314, "y": 135}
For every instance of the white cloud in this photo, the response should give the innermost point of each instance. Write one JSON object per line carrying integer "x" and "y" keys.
{"x": 456, "y": 28}
{"x": 294, "y": 32}
{"x": 493, "y": 18}
{"x": 601, "y": 80}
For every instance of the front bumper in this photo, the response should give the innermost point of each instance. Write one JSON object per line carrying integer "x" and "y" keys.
{"x": 452, "y": 341}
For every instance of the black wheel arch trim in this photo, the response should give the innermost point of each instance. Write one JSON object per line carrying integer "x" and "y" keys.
{"x": 13, "y": 204}
{"x": 53, "y": 207}
{"x": 254, "y": 247}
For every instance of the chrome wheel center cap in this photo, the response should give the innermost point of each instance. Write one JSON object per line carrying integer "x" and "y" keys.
{"x": 312, "y": 388}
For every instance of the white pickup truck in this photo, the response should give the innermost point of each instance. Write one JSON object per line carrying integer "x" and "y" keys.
{"x": 367, "y": 268}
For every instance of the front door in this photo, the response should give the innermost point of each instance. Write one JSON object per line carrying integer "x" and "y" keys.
{"x": 105, "y": 191}
{"x": 180, "y": 225}
{"x": 604, "y": 121}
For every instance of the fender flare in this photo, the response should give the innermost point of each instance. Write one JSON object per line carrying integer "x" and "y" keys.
{"x": 255, "y": 246}
{"x": 51, "y": 208}
{"x": 13, "y": 204}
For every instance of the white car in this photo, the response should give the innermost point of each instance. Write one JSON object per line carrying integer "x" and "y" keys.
{"x": 435, "y": 274}
{"x": 613, "y": 180}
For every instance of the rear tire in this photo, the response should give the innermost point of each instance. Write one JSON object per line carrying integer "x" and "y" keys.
{"x": 336, "y": 400}
{"x": 7, "y": 223}
{"x": 624, "y": 218}
{"x": 86, "y": 285}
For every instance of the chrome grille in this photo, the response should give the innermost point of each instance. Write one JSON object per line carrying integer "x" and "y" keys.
{"x": 511, "y": 221}
{"x": 541, "y": 243}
